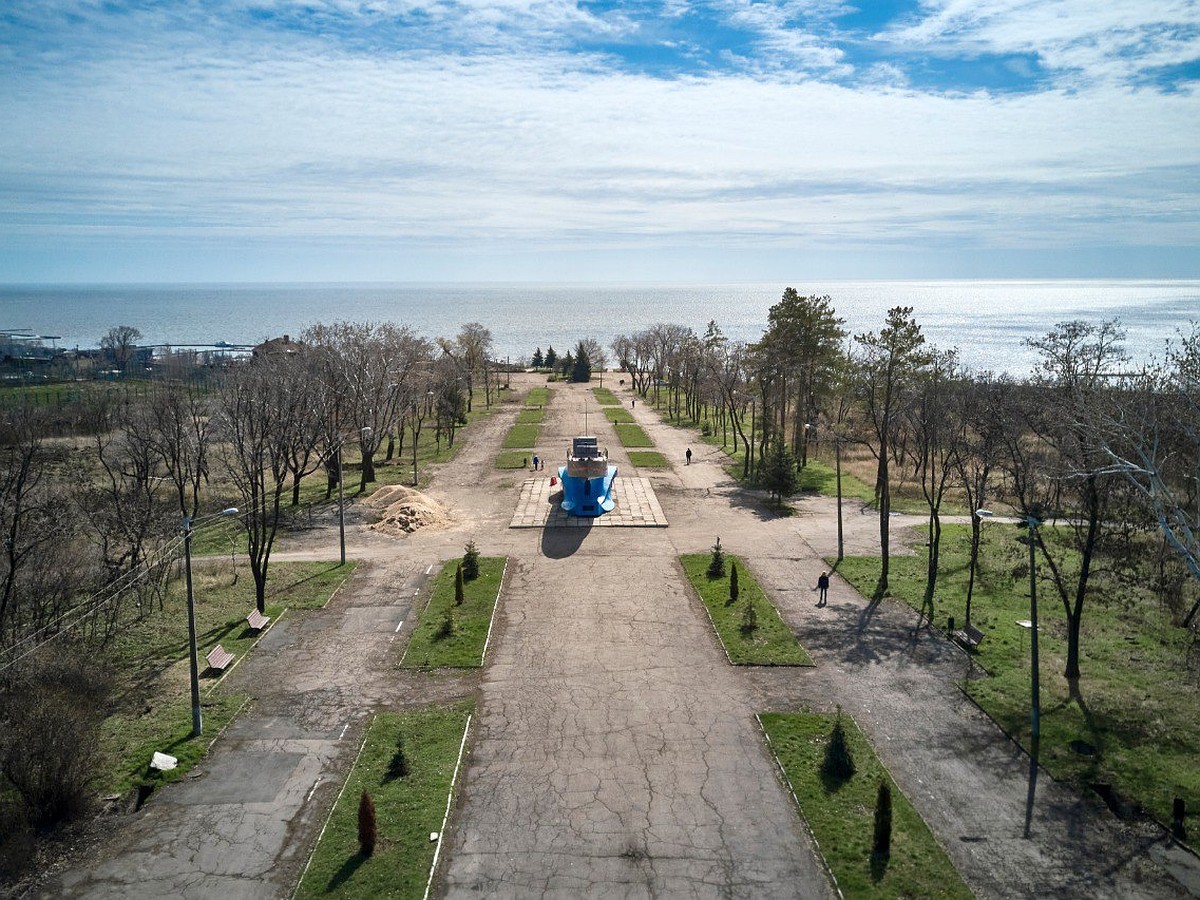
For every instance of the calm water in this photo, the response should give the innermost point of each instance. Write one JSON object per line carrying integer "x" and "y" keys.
{"x": 986, "y": 320}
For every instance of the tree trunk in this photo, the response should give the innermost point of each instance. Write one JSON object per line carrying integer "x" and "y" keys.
{"x": 976, "y": 528}
{"x": 885, "y": 510}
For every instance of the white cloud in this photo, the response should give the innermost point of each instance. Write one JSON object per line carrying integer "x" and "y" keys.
{"x": 295, "y": 141}
{"x": 1111, "y": 41}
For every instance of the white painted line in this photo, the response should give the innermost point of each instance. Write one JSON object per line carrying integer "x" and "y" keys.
{"x": 398, "y": 627}
{"x": 492, "y": 620}
{"x": 446, "y": 817}
{"x": 316, "y": 784}
{"x": 345, "y": 728}
{"x": 430, "y": 569}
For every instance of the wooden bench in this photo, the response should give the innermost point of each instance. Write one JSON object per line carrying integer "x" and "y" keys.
{"x": 969, "y": 637}
{"x": 219, "y": 658}
{"x": 257, "y": 621}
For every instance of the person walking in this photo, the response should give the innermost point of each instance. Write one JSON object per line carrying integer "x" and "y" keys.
{"x": 688, "y": 456}
{"x": 822, "y": 588}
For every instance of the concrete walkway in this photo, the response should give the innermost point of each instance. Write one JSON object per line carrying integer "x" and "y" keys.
{"x": 616, "y": 753}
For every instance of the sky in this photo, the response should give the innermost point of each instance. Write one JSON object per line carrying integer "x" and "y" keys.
{"x": 568, "y": 140}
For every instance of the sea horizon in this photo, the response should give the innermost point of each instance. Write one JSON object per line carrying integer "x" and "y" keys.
{"x": 987, "y": 320}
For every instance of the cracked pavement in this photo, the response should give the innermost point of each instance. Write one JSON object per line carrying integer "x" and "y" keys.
{"x": 615, "y": 752}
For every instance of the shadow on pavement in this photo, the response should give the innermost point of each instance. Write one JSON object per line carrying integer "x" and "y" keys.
{"x": 559, "y": 543}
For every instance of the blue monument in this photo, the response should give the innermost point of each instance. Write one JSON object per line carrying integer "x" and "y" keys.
{"x": 587, "y": 479}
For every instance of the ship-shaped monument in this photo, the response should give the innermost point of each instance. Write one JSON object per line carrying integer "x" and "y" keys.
{"x": 587, "y": 478}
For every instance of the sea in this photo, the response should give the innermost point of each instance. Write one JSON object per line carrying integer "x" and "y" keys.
{"x": 988, "y": 322}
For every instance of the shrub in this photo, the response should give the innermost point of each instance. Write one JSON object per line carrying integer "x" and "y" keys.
{"x": 749, "y": 618}
{"x": 52, "y": 710}
{"x": 470, "y": 562}
{"x": 458, "y": 586}
{"x": 716, "y": 565}
{"x": 733, "y": 584}
{"x": 838, "y": 764}
{"x": 881, "y": 846}
{"x": 367, "y": 832}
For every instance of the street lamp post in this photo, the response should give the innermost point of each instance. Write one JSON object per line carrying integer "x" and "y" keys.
{"x": 1035, "y": 724}
{"x": 341, "y": 506}
{"x": 188, "y": 529}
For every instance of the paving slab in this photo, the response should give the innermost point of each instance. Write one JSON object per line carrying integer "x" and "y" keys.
{"x": 637, "y": 506}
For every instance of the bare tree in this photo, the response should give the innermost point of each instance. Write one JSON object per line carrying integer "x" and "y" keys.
{"x": 888, "y": 366}
{"x": 1071, "y": 391}
{"x": 120, "y": 342}
{"x": 936, "y": 448}
{"x": 178, "y": 418}
{"x": 255, "y": 413}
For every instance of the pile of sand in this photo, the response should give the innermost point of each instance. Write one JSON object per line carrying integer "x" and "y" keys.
{"x": 403, "y": 510}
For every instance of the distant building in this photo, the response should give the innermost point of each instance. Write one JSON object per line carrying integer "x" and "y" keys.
{"x": 284, "y": 346}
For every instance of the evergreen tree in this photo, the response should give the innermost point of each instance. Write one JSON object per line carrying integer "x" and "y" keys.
{"x": 366, "y": 825}
{"x": 779, "y": 472}
{"x": 458, "y": 586}
{"x": 716, "y": 564}
{"x": 581, "y": 370}
{"x": 398, "y": 767}
{"x": 566, "y": 364}
{"x": 537, "y": 360}
{"x": 881, "y": 846}
{"x": 470, "y": 562}
{"x": 733, "y": 584}
{"x": 551, "y": 358}
{"x": 838, "y": 764}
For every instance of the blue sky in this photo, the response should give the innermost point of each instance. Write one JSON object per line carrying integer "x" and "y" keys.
{"x": 719, "y": 140}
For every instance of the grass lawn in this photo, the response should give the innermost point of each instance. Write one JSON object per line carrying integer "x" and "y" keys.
{"x": 513, "y": 459}
{"x": 1144, "y": 724}
{"x": 520, "y": 436}
{"x": 648, "y": 459}
{"x": 605, "y": 397}
{"x": 150, "y": 662}
{"x": 428, "y": 647}
{"x": 531, "y": 415}
{"x": 842, "y": 814}
{"x": 407, "y": 808}
{"x": 633, "y": 436}
{"x": 771, "y": 643}
{"x": 618, "y": 414}
{"x": 538, "y": 396}
{"x": 822, "y": 478}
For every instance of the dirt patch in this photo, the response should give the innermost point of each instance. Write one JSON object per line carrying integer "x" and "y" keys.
{"x": 404, "y": 510}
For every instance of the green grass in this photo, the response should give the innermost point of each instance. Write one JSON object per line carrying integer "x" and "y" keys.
{"x": 771, "y": 643}
{"x": 822, "y": 478}
{"x": 605, "y": 397}
{"x": 513, "y": 459}
{"x": 618, "y": 414}
{"x": 633, "y": 436}
{"x": 1133, "y": 660}
{"x": 648, "y": 459}
{"x": 538, "y": 396}
{"x": 407, "y": 808}
{"x": 531, "y": 416}
{"x": 842, "y": 814}
{"x": 150, "y": 661}
{"x": 521, "y": 436}
{"x": 464, "y": 646}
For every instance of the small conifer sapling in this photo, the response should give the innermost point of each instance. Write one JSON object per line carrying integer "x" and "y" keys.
{"x": 839, "y": 763}
{"x": 881, "y": 846}
{"x": 716, "y": 563}
{"x": 366, "y": 825}
{"x": 458, "y": 586}
{"x": 733, "y": 584}
{"x": 470, "y": 562}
